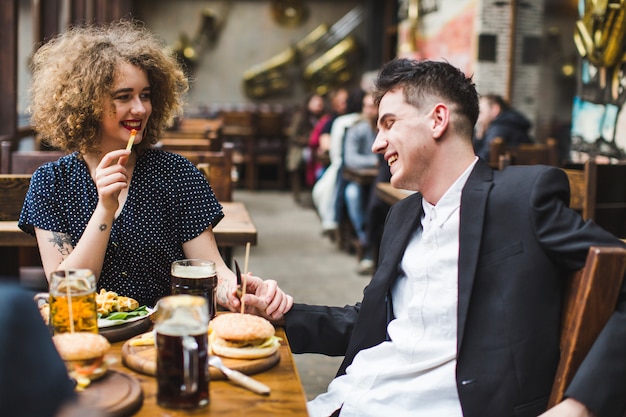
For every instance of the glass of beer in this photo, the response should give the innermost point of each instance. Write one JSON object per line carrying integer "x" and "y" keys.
{"x": 72, "y": 301}
{"x": 196, "y": 277}
{"x": 181, "y": 326}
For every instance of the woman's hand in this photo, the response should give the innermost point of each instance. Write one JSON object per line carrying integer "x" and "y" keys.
{"x": 111, "y": 177}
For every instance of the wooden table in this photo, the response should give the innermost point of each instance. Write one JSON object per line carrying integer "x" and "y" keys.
{"x": 287, "y": 397}
{"x": 363, "y": 176}
{"x": 389, "y": 194}
{"x": 235, "y": 229}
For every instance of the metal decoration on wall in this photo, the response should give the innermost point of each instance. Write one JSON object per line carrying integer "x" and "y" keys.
{"x": 600, "y": 40}
{"x": 335, "y": 66}
{"x": 289, "y": 13}
{"x": 271, "y": 77}
{"x": 188, "y": 50}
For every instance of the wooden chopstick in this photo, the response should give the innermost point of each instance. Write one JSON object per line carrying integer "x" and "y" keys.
{"x": 245, "y": 273}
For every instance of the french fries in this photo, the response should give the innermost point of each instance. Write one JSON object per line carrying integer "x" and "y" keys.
{"x": 131, "y": 139}
{"x": 109, "y": 302}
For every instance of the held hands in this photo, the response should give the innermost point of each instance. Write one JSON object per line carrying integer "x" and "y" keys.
{"x": 111, "y": 177}
{"x": 262, "y": 298}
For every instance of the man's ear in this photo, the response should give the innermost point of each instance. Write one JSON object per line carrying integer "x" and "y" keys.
{"x": 440, "y": 119}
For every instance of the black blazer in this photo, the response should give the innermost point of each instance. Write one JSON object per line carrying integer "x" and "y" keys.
{"x": 518, "y": 242}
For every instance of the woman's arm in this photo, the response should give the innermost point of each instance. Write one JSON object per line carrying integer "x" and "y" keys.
{"x": 56, "y": 249}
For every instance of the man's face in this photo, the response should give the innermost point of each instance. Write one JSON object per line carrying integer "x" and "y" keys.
{"x": 406, "y": 141}
{"x": 487, "y": 112}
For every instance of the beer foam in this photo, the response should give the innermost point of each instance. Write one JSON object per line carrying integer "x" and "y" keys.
{"x": 181, "y": 328}
{"x": 199, "y": 271}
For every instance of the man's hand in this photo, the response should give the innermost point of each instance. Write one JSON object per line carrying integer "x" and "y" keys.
{"x": 569, "y": 407}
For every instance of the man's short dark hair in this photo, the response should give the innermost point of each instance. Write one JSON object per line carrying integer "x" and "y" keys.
{"x": 421, "y": 78}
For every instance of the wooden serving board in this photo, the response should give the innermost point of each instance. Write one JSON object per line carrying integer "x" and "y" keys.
{"x": 116, "y": 393}
{"x": 142, "y": 359}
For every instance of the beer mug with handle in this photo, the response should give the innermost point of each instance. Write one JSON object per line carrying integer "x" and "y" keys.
{"x": 181, "y": 326}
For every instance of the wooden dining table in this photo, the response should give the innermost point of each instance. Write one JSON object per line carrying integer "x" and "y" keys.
{"x": 235, "y": 229}
{"x": 363, "y": 176}
{"x": 389, "y": 194}
{"x": 226, "y": 399}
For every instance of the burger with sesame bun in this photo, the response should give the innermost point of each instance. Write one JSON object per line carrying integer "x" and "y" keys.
{"x": 242, "y": 336}
{"x": 83, "y": 354}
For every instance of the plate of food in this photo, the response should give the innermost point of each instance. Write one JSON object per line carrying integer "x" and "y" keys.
{"x": 117, "y": 310}
{"x": 121, "y": 317}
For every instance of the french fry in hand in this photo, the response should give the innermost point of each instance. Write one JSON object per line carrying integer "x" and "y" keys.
{"x": 131, "y": 139}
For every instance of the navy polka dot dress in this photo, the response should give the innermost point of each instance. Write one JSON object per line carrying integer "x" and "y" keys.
{"x": 169, "y": 202}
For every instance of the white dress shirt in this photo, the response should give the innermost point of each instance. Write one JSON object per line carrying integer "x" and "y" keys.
{"x": 413, "y": 373}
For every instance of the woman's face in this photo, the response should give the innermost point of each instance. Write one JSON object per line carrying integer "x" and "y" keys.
{"x": 129, "y": 107}
{"x": 316, "y": 104}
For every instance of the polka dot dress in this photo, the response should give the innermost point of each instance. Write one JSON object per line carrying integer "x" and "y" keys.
{"x": 169, "y": 202}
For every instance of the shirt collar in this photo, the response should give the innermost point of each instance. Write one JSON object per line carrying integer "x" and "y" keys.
{"x": 437, "y": 215}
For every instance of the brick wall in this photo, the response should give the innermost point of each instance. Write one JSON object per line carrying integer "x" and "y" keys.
{"x": 516, "y": 77}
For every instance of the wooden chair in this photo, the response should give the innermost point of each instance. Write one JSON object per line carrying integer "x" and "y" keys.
{"x": 24, "y": 162}
{"x": 19, "y": 262}
{"x": 502, "y": 156}
{"x": 598, "y": 192}
{"x": 270, "y": 146}
{"x": 239, "y": 128}
{"x": 589, "y": 300}
{"x": 13, "y": 189}
{"x": 189, "y": 144}
{"x": 606, "y": 196}
{"x": 217, "y": 167}
{"x": 26, "y": 260}
{"x": 194, "y": 134}
{"x": 578, "y": 190}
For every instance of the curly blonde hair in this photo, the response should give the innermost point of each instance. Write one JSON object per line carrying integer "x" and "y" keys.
{"x": 73, "y": 74}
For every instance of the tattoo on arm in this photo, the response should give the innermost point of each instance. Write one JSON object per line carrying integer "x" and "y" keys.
{"x": 62, "y": 241}
{"x": 103, "y": 227}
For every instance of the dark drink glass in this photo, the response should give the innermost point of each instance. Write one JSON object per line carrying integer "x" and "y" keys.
{"x": 196, "y": 277}
{"x": 181, "y": 327}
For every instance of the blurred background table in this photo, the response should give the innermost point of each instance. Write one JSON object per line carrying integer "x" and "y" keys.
{"x": 389, "y": 194}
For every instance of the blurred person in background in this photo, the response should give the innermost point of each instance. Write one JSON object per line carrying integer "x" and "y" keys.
{"x": 300, "y": 130}
{"x": 498, "y": 119}
{"x": 327, "y": 192}
{"x": 319, "y": 139}
{"x": 358, "y": 154}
